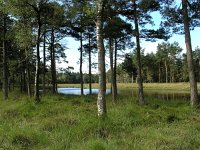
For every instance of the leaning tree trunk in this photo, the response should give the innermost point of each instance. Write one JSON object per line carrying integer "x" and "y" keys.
{"x": 139, "y": 68}
{"x": 101, "y": 101}
{"x": 5, "y": 74}
{"x": 193, "y": 83}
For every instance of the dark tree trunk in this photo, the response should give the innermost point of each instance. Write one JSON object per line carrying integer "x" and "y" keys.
{"x": 5, "y": 70}
{"x": 101, "y": 100}
{"x": 193, "y": 83}
{"x": 111, "y": 66}
{"x": 114, "y": 84}
{"x": 139, "y": 68}
{"x": 24, "y": 78}
{"x": 81, "y": 63}
{"x": 13, "y": 83}
{"x": 172, "y": 73}
{"x": 159, "y": 72}
{"x": 21, "y": 78}
{"x": 21, "y": 82}
{"x": 44, "y": 62}
{"x": 90, "y": 66}
{"x": 166, "y": 72}
{"x": 199, "y": 70}
{"x": 28, "y": 78}
{"x": 53, "y": 69}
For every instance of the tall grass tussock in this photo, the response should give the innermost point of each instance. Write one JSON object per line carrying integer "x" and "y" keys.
{"x": 62, "y": 122}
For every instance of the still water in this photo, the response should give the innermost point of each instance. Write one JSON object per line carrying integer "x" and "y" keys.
{"x": 159, "y": 94}
{"x": 77, "y": 91}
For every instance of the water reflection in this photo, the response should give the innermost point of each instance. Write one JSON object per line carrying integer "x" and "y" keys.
{"x": 159, "y": 94}
{"x": 149, "y": 94}
{"x": 77, "y": 91}
{"x": 168, "y": 95}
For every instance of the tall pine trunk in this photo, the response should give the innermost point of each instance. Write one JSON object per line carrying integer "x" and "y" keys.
{"x": 139, "y": 68}
{"x": 28, "y": 78}
{"x": 44, "y": 62}
{"x": 90, "y": 66}
{"x": 5, "y": 73}
{"x": 166, "y": 72}
{"x": 53, "y": 68}
{"x": 159, "y": 72}
{"x": 114, "y": 86}
{"x": 81, "y": 62}
{"x": 111, "y": 65}
{"x": 193, "y": 83}
{"x": 101, "y": 101}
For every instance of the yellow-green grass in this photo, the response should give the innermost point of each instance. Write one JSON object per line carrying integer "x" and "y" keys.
{"x": 183, "y": 86}
{"x": 62, "y": 122}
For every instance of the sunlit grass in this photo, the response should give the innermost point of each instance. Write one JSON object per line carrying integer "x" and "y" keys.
{"x": 183, "y": 86}
{"x": 71, "y": 122}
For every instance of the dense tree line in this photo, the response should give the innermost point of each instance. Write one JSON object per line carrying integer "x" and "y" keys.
{"x": 167, "y": 65}
{"x": 31, "y": 45}
{"x": 75, "y": 78}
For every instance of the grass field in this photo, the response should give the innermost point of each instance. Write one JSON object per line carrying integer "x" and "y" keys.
{"x": 62, "y": 122}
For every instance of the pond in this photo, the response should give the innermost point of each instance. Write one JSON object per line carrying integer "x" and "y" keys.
{"x": 161, "y": 94}
{"x": 77, "y": 91}
{"x": 158, "y": 94}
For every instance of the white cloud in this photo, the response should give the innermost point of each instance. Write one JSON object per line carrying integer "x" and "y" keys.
{"x": 150, "y": 47}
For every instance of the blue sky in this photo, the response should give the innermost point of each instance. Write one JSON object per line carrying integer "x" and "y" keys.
{"x": 73, "y": 54}
{"x": 151, "y": 46}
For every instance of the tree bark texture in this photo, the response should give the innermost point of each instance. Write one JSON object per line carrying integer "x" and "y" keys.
{"x": 115, "y": 72}
{"x": 90, "y": 66}
{"x": 44, "y": 62}
{"x": 53, "y": 68}
{"x": 166, "y": 72}
{"x": 101, "y": 101}
{"x": 112, "y": 70}
{"x": 28, "y": 78}
{"x": 159, "y": 72}
{"x": 193, "y": 83}
{"x": 81, "y": 62}
{"x": 139, "y": 68}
